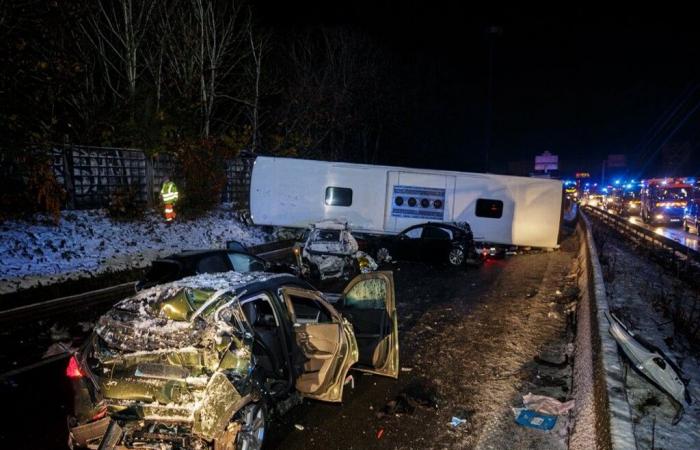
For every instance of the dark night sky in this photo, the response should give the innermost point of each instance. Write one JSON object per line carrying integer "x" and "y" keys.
{"x": 581, "y": 83}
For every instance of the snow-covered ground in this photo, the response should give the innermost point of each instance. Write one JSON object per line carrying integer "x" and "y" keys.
{"x": 635, "y": 286}
{"x": 87, "y": 243}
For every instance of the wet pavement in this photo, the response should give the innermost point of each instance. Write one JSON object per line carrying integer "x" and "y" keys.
{"x": 675, "y": 232}
{"x": 467, "y": 336}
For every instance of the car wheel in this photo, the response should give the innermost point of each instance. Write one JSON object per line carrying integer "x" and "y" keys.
{"x": 383, "y": 255}
{"x": 456, "y": 256}
{"x": 253, "y": 425}
{"x": 686, "y": 227}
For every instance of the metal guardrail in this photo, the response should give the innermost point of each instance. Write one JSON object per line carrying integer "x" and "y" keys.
{"x": 649, "y": 238}
{"x": 41, "y": 310}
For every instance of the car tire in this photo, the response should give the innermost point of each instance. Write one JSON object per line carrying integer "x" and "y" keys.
{"x": 253, "y": 419}
{"x": 686, "y": 228}
{"x": 456, "y": 256}
{"x": 383, "y": 255}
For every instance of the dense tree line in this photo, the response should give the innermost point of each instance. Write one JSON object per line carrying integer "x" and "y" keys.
{"x": 163, "y": 75}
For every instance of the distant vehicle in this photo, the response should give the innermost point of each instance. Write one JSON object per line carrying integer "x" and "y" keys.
{"x": 625, "y": 201}
{"x": 432, "y": 241}
{"x": 329, "y": 250}
{"x": 691, "y": 217}
{"x": 194, "y": 262}
{"x": 373, "y": 199}
{"x": 202, "y": 363}
{"x": 664, "y": 200}
{"x": 594, "y": 200}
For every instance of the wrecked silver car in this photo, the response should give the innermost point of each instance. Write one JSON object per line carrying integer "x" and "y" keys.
{"x": 329, "y": 250}
{"x": 205, "y": 361}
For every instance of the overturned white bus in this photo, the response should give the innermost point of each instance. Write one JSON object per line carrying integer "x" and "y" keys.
{"x": 501, "y": 209}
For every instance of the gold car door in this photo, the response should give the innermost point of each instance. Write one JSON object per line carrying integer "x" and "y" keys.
{"x": 326, "y": 341}
{"x": 368, "y": 303}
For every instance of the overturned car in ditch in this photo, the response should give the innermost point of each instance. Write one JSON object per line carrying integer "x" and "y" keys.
{"x": 329, "y": 250}
{"x": 204, "y": 362}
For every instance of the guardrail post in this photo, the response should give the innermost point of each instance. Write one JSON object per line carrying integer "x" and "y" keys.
{"x": 149, "y": 181}
{"x": 68, "y": 175}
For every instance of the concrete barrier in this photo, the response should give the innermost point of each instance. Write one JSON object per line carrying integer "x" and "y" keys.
{"x": 603, "y": 417}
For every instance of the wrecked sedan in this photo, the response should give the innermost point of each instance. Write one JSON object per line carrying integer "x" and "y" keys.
{"x": 329, "y": 250}
{"x": 205, "y": 361}
{"x": 435, "y": 242}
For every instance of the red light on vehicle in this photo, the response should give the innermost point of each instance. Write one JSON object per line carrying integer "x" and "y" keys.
{"x": 73, "y": 370}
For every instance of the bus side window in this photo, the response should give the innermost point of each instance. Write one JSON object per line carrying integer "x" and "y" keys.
{"x": 492, "y": 209}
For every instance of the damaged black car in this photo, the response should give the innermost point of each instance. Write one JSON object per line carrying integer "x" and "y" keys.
{"x": 205, "y": 362}
{"x": 434, "y": 242}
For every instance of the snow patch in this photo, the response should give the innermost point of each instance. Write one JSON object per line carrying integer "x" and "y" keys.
{"x": 87, "y": 243}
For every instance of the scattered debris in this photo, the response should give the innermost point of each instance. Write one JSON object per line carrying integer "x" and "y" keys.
{"x": 380, "y": 433}
{"x": 299, "y": 426}
{"x": 651, "y": 362}
{"x": 532, "y": 419}
{"x": 547, "y": 405}
{"x": 461, "y": 416}
{"x": 406, "y": 369}
{"x": 419, "y": 392}
{"x": 456, "y": 421}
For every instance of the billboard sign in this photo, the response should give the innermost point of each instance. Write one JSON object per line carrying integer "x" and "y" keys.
{"x": 546, "y": 161}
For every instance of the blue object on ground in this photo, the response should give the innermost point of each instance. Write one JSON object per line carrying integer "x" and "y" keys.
{"x": 533, "y": 419}
{"x": 456, "y": 421}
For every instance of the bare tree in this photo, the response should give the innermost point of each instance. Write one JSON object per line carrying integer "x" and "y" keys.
{"x": 259, "y": 42}
{"x": 117, "y": 31}
{"x": 220, "y": 39}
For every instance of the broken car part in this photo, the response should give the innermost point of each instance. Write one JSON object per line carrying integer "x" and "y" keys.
{"x": 650, "y": 362}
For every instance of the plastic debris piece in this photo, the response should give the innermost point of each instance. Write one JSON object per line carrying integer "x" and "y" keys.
{"x": 547, "y": 405}
{"x": 406, "y": 369}
{"x": 532, "y": 419}
{"x": 350, "y": 380}
{"x": 299, "y": 427}
{"x": 380, "y": 433}
{"x": 456, "y": 421}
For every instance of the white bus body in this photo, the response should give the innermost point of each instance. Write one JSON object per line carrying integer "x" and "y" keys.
{"x": 501, "y": 209}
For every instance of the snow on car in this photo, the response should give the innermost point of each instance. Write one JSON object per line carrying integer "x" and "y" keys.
{"x": 202, "y": 362}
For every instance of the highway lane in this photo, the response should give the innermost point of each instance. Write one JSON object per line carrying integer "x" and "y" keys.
{"x": 677, "y": 233}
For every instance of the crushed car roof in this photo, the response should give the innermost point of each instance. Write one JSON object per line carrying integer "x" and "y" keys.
{"x": 156, "y": 318}
{"x": 230, "y": 281}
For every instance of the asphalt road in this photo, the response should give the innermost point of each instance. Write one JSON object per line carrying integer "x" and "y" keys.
{"x": 467, "y": 338}
{"x": 677, "y": 233}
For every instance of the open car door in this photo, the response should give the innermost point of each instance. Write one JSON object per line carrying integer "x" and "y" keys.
{"x": 326, "y": 341}
{"x": 368, "y": 303}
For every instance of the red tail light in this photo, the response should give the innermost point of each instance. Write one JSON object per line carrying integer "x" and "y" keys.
{"x": 73, "y": 370}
